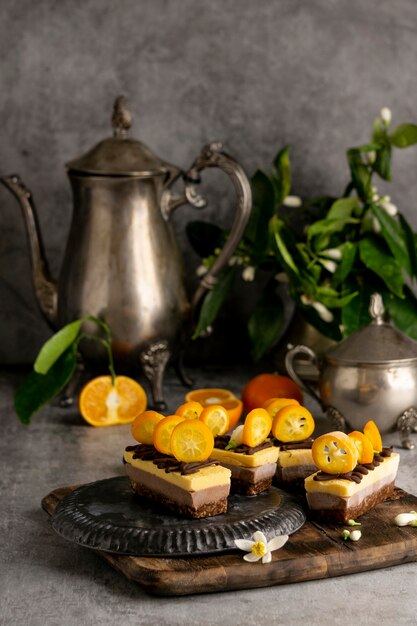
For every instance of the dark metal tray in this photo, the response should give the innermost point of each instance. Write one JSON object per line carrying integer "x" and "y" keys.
{"x": 106, "y": 515}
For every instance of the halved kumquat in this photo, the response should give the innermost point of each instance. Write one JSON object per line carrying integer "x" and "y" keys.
{"x": 192, "y": 441}
{"x": 371, "y": 430}
{"x": 273, "y": 405}
{"x": 256, "y": 428}
{"x": 216, "y": 418}
{"x": 190, "y": 410}
{"x": 144, "y": 425}
{"x": 364, "y": 446}
{"x": 293, "y": 423}
{"x": 224, "y": 397}
{"x": 163, "y": 431}
{"x": 335, "y": 453}
{"x": 102, "y": 404}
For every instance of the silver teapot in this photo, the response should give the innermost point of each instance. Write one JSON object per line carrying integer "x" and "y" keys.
{"x": 372, "y": 374}
{"x": 122, "y": 263}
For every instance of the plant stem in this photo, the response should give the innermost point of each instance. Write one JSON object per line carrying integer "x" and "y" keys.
{"x": 106, "y": 343}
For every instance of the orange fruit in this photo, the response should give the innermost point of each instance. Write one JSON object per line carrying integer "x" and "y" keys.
{"x": 144, "y": 425}
{"x": 192, "y": 441}
{"x": 293, "y": 423}
{"x": 335, "y": 453}
{"x": 256, "y": 428}
{"x": 102, "y": 404}
{"x": 371, "y": 430}
{"x": 273, "y": 405}
{"x": 224, "y": 397}
{"x": 190, "y": 410}
{"x": 364, "y": 446}
{"x": 265, "y": 386}
{"x": 163, "y": 431}
{"x": 216, "y": 418}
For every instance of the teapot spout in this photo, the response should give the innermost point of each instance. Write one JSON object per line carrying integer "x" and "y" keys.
{"x": 45, "y": 288}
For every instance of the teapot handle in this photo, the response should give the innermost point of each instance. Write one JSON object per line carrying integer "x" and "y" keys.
{"x": 212, "y": 155}
{"x": 289, "y": 365}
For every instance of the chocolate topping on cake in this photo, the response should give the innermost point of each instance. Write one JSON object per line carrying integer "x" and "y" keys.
{"x": 293, "y": 445}
{"x": 221, "y": 442}
{"x": 359, "y": 471}
{"x": 168, "y": 463}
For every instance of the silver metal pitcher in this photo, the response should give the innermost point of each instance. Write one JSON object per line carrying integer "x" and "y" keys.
{"x": 122, "y": 263}
{"x": 370, "y": 375}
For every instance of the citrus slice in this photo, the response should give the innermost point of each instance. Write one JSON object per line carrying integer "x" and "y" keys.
{"x": 364, "y": 446}
{"x": 293, "y": 423}
{"x": 144, "y": 425}
{"x": 335, "y": 453}
{"x": 273, "y": 405}
{"x": 371, "y": 430}
{"x": 214, "y": 395}
{"x": 216, "y": 418}
{"x": 102, "y": 404}
{"x": 256, "y": 428}
{"x": 163, "y": 431}
{"x": 190, "y": 410}
{"x": 192, "y": 441}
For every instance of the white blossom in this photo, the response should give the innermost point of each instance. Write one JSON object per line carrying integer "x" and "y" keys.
{"x": 292, "y": 201}
{"x": 237, "y": 435}
{"x": 375, "y": 197}
{"x": 332, "y": 253}
{"x": 376, "y": 225}
{"x": 323, "y": 312}
{"x": 201, "y": 270}
{"x": 248, "y": 273}
{"x": 371, "y": 156}
{"x": 406, "y": 519}
{"x": 389, "y": 207}
{"x": 260, "y": 547}
{"x": 306, "y": 300}
{"x": 386, "y": 115}
{"x": 330, "y": 266}
{"x": 355, "y": 535}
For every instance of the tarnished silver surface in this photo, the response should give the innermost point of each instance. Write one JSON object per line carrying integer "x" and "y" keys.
{"x": 107, "y": 515}
{"x": 370, "y": 375}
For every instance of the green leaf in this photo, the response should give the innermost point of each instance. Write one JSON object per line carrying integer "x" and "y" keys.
{"x": 204, "y": 237}
{"x": 329, "y": 226}
{"x": 282, "y": 172}
{"x": 394, "y": 236}
{"x": 404, "y": 135}
{"x": 265, "y": 323}
{"x": 342, "y": 209}
{"x": 328, "y": 330}
{"x": 382, "y": 163}
{"x": 379, "y": 133}
{"x": 56, "y": 345}
{"x": 276, "y": 225}
{"x": 214, "y": 299}
{"x": 411, "y": 243}
{"x": 377, "y": 259}
{"x": 403, "y": 312}
{"x": 361, "y": 175}
{"x": 356, "y": 313}
{"x": 263, "y": 204}
{"x": 348, "y": 250}
{"x": 333, "y": 299}
{"x": 38, "y": 389}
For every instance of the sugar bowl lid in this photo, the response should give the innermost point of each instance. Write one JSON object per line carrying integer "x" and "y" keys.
{"x": 120, "y": 155}
{"x": 379, "y": 342}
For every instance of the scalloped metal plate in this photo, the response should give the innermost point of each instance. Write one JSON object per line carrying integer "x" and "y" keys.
{"x": 106, "y": 515}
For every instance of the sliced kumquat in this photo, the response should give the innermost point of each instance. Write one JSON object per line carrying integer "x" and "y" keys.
{"x": 293, "y": 423}
{"x": 102, "y": 404}
{"x": 214, "y": 395}
{"x": 190, "y": 410}
{"x": 144, "y": 425}
{"x": 192, "y": 441}
{"x": 163, "y": 431}
{"x": 335, "y": 453}
{"x": 371, "y": 430}
{"x": 216, "y": 418}
{"x": 273, "y": 405}
{"x": 364, "y": 446}
{"x": 256, "y": 428}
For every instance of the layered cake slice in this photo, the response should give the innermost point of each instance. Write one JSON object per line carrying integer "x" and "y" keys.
{"x": 292, "y": 427}
{"x": 249, "y": 454}
{"x": 352, "y": 478}
{"x": 171, "y": 465}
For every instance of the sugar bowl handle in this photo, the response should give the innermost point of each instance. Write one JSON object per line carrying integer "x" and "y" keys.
{"x": 289, "y": 365}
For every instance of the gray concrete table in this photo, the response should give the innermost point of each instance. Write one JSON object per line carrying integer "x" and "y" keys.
{"x": 45, "y": 580}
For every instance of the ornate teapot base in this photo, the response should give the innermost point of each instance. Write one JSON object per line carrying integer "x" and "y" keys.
{"x": 406, "y": 424}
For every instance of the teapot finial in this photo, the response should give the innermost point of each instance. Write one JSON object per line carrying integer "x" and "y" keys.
{"x": 122, "y": 118}
{"x": 376, "y": 308}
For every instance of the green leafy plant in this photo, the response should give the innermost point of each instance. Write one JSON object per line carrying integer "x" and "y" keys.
{"x": 333, "y": 252}
{"x": 55, "y": 365}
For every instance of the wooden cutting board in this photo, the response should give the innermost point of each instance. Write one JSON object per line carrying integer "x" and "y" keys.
{"x": 315, "y": 551}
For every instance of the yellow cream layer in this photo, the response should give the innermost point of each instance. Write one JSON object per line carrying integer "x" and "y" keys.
{"x": 267, "y": 455}
{"x": 346, "y": 488}
{"x": 210, "y": 476}
{"x": 291, "y": 458}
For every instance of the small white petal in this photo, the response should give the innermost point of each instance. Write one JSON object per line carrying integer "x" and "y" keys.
{"x": 355, "y": 535}
{"x": 403, "y": 519}
{"x": 386, "y": 198}
{"x": 332, "y": 253}
{"x": 251, "y": 557}
{"x": 330, "y": 266}
{"x": 306, "y": 300}
{"x": 293, "y": 201}
{"x": 267, "y": 558}
{"x": 281, "y": 277}
{"x": 371, "y": 156}
{"x": 376, "y": 225}
{"x": 244, "y": 544}
{"x": 248, "y": 274}
{"x": 277, "y": 542}
{"x": 390, "y": 208}
{"x": 259, "y": 536}
{"x": 201, "y": 270}
{"x": 375, "y": 197}
{"x": 237, "y": 435}
{"x": 324, "y": 313}
{"x": 386, "y": 115}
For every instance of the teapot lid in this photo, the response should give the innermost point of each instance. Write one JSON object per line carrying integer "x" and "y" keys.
{"x": 121, "y": 155}
{"x": 376, "y": 343}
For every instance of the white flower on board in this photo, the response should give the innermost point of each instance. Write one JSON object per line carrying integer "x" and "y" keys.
{"x": 406, "y": 519}
{"x": 259, "y": 547}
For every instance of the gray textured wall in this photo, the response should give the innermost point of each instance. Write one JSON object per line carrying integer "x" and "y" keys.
{"x": 312, "y": 73}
